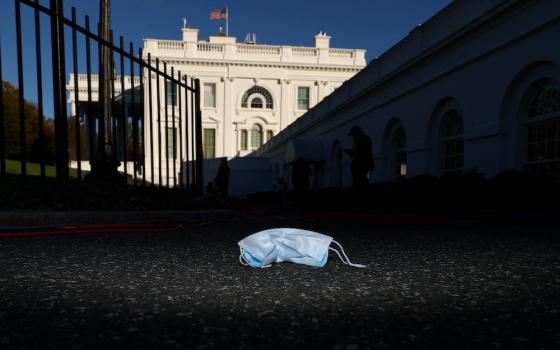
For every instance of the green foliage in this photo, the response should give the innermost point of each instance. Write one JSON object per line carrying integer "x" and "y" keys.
{"x": 34, "y": 148}
{"x": 34, "y": 169}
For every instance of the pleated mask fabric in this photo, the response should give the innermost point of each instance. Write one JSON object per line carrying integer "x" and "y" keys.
{"x": 293, "y": 245}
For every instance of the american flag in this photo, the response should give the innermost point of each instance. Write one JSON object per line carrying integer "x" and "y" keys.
{"x": 219, "y": 14}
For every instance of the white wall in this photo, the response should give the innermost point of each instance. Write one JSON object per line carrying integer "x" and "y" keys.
{"x": 247, "y": 175}
{"x": 464, "y": 59}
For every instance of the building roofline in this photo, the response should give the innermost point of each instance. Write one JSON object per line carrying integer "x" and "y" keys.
{"x": 268, "y": 45}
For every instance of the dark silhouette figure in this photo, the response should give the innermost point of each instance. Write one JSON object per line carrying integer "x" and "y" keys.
{"x": 210, "y": 189}
{"x": 222, "y": 179}
{"x": 300, "y": 175}
{"x": 361, "y": 154}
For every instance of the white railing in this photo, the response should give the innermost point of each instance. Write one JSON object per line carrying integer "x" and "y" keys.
{"x": 82, "y": 78}
{"x": 170, "y": 45}
{"x": 136, "y": 80}
{"x": 304, "y": 51}
{"x": 258, "y": 49}
{"x": 345, "y": 53}
{"x": 208, "y": 47}
{"x": 251, "y": 52}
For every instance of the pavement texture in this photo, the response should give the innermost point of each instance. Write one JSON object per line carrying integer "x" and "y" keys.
{"x": 464, "y": 286}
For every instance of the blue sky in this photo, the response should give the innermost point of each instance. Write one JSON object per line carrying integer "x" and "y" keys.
{"x": 374, "y": 25}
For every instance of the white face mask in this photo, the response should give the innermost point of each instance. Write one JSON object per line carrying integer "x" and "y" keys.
{"x": 289, "y": 244}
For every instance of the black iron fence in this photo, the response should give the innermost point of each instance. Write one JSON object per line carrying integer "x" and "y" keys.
{"x": 154, "y": 127}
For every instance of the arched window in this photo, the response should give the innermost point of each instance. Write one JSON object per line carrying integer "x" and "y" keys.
{"x": 543, "y": 132}
{"x": 452, "y": 142}
{"x": 256, "y": 136}
{"x": 256, "y": 103}
{"x": 257, "y": 90}
{"x": 399, "y": 147}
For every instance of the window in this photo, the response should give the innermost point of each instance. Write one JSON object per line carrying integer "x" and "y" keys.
{"x": 453, "y": 144}
{"x": 243, "y": 140}
{"x": 547, "y": 102}
{"x": 209, "y": 140}
{"x": 209, "y": 95}
{"x": 257, "y": 103}
{"x": 171, "y": 93}
{"x": 543, "y": 132}
{"x": 269, "y": 135}
{"x": 257, "y": 90}
{"x": 256, "y": 136}
{"x": 303, "y": 98}
{"x": 399, "y": 144}
{"x": 171, "y": 143}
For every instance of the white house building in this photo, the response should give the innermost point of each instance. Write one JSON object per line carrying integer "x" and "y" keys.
{"x": 250, "y": 92}
{"x": 476, "y": 87}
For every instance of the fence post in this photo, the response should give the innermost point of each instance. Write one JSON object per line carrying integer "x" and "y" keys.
{"x": 59, "y": 89}
{"x": 199, "y": 155}
{"x": 2, "y": 132}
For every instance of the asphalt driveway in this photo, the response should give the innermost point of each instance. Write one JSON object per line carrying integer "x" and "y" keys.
{"x": 476, "y": 286}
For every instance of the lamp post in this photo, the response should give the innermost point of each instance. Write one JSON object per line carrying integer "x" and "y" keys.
{"x": 105, "y": 164}
{"x": 59, "y": 93}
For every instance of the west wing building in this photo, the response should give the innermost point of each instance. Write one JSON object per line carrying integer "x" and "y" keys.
{"x": 475, "y": 88}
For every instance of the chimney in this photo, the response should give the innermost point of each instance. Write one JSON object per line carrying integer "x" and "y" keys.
{"x": 322, "y": 40}
{"x": 190, "y": 35}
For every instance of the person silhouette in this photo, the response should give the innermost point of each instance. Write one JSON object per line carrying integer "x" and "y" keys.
{"x": 361, "y": 154}
{"x": 222, "y": 179}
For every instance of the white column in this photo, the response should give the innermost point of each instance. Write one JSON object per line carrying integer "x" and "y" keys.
{"x": 228, "y": 143}
{"x": 285, "y": 104}
{"x": 236, "y": 145}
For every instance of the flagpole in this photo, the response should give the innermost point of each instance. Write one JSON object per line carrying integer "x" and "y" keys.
{"x": 227, "y": 21}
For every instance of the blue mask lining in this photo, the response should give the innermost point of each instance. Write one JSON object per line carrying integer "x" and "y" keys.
{"x": 325, "y": 258}
{"x": 254, "y": 262}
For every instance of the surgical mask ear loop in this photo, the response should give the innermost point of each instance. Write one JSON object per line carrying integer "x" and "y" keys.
{"x": 337, "y": 253}
{"x": 346, "y": 256}
{"x": 244, "y": 261}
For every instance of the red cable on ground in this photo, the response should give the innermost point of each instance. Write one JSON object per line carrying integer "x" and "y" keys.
{"x": 161, "y": 225}
{"x": 96, "y": 228}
